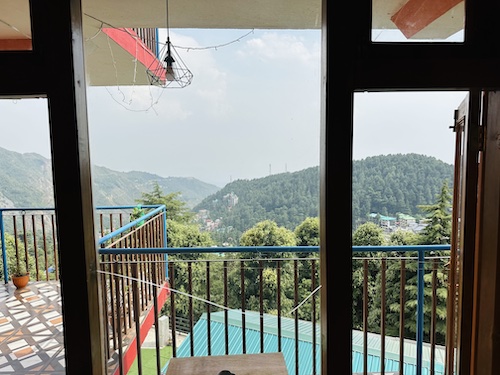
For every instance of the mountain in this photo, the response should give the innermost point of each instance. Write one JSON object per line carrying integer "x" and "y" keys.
{"x": 385, "y": 184}
{"x": 116, "y": 188}
{"x": 26, "y": 181}
{"x": 391, "y": 184}
{"x": 287, "y": 198}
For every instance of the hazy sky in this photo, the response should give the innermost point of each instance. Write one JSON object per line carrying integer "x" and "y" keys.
{"x": 252, "y": 109}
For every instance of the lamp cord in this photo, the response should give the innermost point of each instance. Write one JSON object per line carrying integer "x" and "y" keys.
{"x": 166, "y": 14}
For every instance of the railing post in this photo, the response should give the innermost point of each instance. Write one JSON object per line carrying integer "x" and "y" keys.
{"x": 4, "y": 249}
{"x": 420, "y": 309}
{"x": 165, "y": 240}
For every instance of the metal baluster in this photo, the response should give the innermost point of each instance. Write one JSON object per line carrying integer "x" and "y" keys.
{"x": 313, "y": 314}
{"x": 295, "y": 303}
{"x": 226, "y": 317}
{"x": 433, "y": 316}
{"x": 382, "y": 317}
{"x": 54, "y": 242}
{"x": 209, "y": 333}
{"x": 118, "y": 320}
{"x": 191, "y": 314}
{"x": 137, "y": 322}
{"x": 365, "y": 316}
{"x": 157, "y": 330}
{"x": 172, "y": 308}
{"x": 45, "y": 254}
{"x": 243, "y": 316}
{"x": 261, "y": 304}
{"x": 278, "y": 286}
{"x": 402, "y": 285}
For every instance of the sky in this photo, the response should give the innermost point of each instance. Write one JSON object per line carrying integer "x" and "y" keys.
{"x": 252, "y": 109}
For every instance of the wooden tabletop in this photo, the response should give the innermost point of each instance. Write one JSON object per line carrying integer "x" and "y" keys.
{"x": 240, "y": 364}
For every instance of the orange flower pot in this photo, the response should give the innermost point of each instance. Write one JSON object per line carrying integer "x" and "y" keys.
{"x": 20, "y": 281}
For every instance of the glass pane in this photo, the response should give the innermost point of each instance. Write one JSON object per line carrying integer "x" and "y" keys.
{"x": 418, "y": 21}
{"x": 15, "y": 25}
{"x": 402, "y": 189}
{"x": 31, "y": 328}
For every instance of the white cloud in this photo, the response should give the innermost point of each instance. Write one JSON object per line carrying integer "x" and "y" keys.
{"x": 274, "y": 46}
{"x": 210, "y": 82}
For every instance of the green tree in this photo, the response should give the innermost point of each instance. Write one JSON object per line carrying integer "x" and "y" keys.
{"x": 177, "y": 209}
{"x": 16, "y": 264}
{"x": 438, "y": 230}
{"x": 307, "y": 232}
{"x": 402, "y": 237}
{"x": 267, "y": 233}
{"x": 368, "y": 234}
{"x": 186, "y": 235}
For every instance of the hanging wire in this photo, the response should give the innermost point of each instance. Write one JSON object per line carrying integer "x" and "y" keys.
{"x": 15, "y": 28}
{"x": 214, "y": 47}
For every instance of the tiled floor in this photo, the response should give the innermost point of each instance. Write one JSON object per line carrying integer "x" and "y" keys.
{"x": 31, "y": 339}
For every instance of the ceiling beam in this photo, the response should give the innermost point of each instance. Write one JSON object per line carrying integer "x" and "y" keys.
{"x": 15, "y": 45}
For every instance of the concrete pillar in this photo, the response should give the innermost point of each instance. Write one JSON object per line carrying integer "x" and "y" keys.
{"x": 164, "y": 330}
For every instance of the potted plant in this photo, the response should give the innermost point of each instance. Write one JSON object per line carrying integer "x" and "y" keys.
{"x": 19, "y": 274}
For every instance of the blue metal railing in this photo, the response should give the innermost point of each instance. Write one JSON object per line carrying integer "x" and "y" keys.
{"x": 4, "y": 248}
{"x": 419, "y": 249}
{"x": 154, "y": 209}
{"x": 157, "y": 209}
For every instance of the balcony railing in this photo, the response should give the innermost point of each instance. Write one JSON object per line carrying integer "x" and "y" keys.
{"x": 132, "y": 283}
{"x": 249, "y": 300}
{"x": 127, "y": 299}
{"x": 252, "y": 290}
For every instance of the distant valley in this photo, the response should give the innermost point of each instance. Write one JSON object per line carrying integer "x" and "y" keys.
{"x": 26, "y": 181}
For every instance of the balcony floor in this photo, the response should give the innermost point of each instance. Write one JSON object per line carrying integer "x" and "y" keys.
{"x": 31, "y": 329}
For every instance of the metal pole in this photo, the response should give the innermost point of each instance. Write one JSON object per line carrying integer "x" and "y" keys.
{"x": 4, "y": 249}
{"x": 165, "y": 239}
{"x": 420, "y": 310}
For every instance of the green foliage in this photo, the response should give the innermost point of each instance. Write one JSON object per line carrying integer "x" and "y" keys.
{"x": 286, "y": 198}
{"x": 177, "y": 210}
{"x": 441, "y": 295}
{"x": 180, "y": 234}
{"x": 401, "y": 237}
{"x": 16, "y": 263}
{"x": 267, "y": 233}
{"x": 388, "y": 184}
{"x": 438, "y": 230}
{"x": 368, "y": 234}
{"x": 148, "y": 360}
{"x": 307, "y": 232}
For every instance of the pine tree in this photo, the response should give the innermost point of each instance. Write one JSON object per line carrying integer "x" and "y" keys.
{"x": 438, "y": 230}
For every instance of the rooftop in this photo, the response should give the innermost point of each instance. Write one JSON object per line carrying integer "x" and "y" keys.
{"x": 305, "y": 334}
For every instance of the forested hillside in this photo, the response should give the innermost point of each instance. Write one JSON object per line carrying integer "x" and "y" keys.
{"x": 285, "y": 198}
{"x": 387, "y": 184}
{"x": 393, "y": 184}
{"x": 26, "y": 181}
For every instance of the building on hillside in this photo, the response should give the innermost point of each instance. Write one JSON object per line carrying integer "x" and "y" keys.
{"x": 382, "y": 220}
{"x": 307, "y": 347}
{"x": 202, "y": 214}
{"x": 231, "y": 200}
{"x": 405, "y": 220}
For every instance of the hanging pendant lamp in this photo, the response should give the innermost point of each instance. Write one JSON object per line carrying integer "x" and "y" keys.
{"x": 169, "y": 70}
